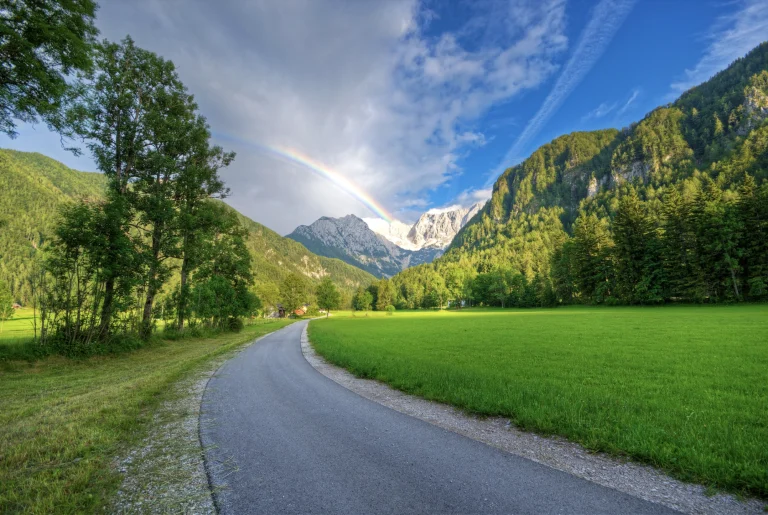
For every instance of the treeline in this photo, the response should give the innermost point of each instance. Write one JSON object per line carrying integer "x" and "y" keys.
{"x": 110, "y": 258}
{"x": 711, "y": 246}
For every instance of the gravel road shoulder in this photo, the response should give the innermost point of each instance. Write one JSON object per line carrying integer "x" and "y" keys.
{"x": 638, "y": 480}
{"x": 166, "y": 472}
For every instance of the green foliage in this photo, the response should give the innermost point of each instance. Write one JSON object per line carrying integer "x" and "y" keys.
{"x": 32, "y": 189}
{"x": 636, "y": 382}
{"x": 42, "y": 42}
{"x": 294, "y": 292}
{"x": 390, "y": 310}
{"x": 6, "y": 305}
{"x": 362, "y": 300}
{"x": 328, "y": 297}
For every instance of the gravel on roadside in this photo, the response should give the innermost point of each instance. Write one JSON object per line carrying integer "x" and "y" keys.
{"x": 638, "y": 480}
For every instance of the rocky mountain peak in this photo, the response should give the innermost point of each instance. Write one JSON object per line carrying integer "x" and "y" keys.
{"x": 437, "y": 227}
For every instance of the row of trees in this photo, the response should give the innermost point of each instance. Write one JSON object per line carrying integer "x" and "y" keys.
{"x": 295, "y": 292}
{"x": 710, "y": 245}
{"x": 110, "y": 259}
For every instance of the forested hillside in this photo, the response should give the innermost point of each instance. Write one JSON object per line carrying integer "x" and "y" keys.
{"x": 33, "y": 187}
{"x": 673, "y": 208}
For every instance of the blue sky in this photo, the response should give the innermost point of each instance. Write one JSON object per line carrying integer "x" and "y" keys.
{"x": 420, "y": 104}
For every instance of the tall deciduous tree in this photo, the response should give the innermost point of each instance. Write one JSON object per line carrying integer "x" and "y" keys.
{"x": 362, "y": 300}
{"x": 41, "y": 43}
{"x": 223, "y": 281}
{"x": 197, "y": 182}
{"x": 115, "y": 116}
{"x": 328, "y": 297}
{"x": 294, "y": 292}
{"x": 384, "y": 295}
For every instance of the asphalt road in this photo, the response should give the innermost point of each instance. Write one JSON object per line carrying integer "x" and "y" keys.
{"x": 280, "y": 437}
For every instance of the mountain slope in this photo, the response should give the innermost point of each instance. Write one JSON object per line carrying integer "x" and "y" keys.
{"x": 351, "y": 240}
{"x": 717, "y": 129}
{"x": 33, "y": 187}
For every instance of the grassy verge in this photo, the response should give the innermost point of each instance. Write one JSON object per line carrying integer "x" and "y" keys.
{"x": 682, "y": 388}
{"x": 62, "y": 421}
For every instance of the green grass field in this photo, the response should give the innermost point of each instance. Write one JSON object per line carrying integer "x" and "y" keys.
{"x": 62, "y": 421}
{"x": 18, "y": 329}
{"x": 682, "y": 388}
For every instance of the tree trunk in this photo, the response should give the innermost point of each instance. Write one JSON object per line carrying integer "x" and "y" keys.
{"x": 735, "y": 286}
{"x": 106, "y": 307}
{"x": 182, "y": 306}
{"x": 146, "y": 319}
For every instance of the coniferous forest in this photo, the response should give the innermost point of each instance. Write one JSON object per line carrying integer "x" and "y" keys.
{"x": 671, "y": 209}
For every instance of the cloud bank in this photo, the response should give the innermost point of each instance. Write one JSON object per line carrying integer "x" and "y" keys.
{"x": 366, "y": 88}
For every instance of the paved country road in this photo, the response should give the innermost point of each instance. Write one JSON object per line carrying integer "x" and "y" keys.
{"x": 280, "y": 437}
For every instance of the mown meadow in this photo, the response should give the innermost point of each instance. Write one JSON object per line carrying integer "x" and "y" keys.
{"x": 682, "y": 388}
{"x": 63, "y": 421}
{"x": 18, "y": 329}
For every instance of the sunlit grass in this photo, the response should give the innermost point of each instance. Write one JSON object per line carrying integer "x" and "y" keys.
{"x": 682, "y": 388}
{"x": 18, "y": 329}
{"x": 62, "y": 421}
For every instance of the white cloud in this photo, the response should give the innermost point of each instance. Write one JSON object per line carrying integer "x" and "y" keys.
{"x": 469, "y": 197}
{"x": 600, "y": 111}
{"x": 730, "y": 38}
{"x": 360, "y": 86}
{"x": 605, "y": 108}
{"x": 606, "y": 19}
{"x": 629, "y": 102}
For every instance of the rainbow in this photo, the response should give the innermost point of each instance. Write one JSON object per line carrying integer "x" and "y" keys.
{"x": 296, "y": 157}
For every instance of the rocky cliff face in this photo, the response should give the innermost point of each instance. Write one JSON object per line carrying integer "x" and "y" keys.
{"x": 350, "y": 239}
{"x": 434, "y": 230}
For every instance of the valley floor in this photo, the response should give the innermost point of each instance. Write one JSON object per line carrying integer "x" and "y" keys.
{"x": 680, "y": 388}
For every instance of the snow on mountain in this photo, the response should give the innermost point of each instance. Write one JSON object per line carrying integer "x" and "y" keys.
{"x": 396, "y": 232}
{"x": 434, "y": 229}
{"x": 350, "y": 239}
{"x": 384, "y": 248}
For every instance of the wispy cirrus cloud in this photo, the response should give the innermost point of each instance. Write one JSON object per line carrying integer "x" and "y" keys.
{"x": 607, "y": 17}
{"x": 601, "y": 111}
{"x": 629, "y": 102}
{"x": 617, "y": 108}
{"x": 730, "y": 37}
